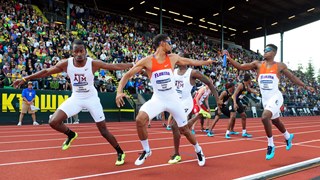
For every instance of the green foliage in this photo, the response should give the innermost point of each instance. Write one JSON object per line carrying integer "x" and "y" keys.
{"x": 310, "y": 71}
{"x": 300, "y": 67}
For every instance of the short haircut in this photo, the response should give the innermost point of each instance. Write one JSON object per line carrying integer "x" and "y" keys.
{"x": 247, "y": 77}
{"x": 273, "y": 47}
{"x": 78, "y": 42}
{"x": 158, "y": 38}
{"x": 229, "y": 85}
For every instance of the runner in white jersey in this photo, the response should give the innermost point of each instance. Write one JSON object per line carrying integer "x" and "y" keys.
{"x": 80, "y": 69}
{"x": 268, "y": 78}
{"x": 185, "y": 80}
{"x": 159, "y": 68}
{"x": 201, "y": 106}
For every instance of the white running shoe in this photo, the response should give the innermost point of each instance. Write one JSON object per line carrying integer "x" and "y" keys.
{"x": 35, "y": 123}
{"x": 201, "y": 158}
{"x": 142, "y": 158}
{"x": 19, "y": 124}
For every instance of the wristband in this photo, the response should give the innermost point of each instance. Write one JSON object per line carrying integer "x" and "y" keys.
{"x": 24, "y": 79}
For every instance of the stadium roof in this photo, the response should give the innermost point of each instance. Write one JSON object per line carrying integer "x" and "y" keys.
{"x": 243, "y": 19}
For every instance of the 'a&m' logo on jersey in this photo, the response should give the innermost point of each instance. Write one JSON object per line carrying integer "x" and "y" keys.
{"x": 80, "y": 80}
{"x": 179, "y": 84}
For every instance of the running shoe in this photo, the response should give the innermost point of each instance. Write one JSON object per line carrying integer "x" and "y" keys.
{"x": 175, "y": 159}
{"x": 234, "y": 133}
{"x": 205, "y": 114}
{"x": 270, "y": 152}
{"x": 120, "y": 160}
{"x": 247, "y": 135}
{"x": 210, "y": 134}
{"x": 289, "y": 142}
{"x": 67, "y": 143}
{"x": 201, "y": 158}
{"x": 142, "y": 158}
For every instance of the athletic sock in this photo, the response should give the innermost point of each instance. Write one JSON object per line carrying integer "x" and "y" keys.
{"x": 228, "y": 132}
{"x": 244, "y": 131}
{"x": 145, "y": 145}
{"x": 70, "y": 133}
{"x": 270, "y": 141}
{"x": 197, "y": 147}
{"x": 118, "y": 149}
{"x": 286, "y": 135}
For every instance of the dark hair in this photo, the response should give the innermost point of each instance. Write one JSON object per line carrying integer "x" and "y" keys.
{"x": 273, "y": 47}
{"x": 78, "y": 42}
{"x": 229, "y": 85}
{"x": 247, "y": 77}
{"x": 158, "y": 38}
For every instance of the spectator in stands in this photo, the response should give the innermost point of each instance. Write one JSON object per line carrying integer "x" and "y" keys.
{"x": 2, "y": 77}
{"x": 28, "y": 97}
{"x": 7, "y": 81}
{"x": 139, "y": 86}
{"x": 103, "y": 88}
{"x": 316, "y": 110}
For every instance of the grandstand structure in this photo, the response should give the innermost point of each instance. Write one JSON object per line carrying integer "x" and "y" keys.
{"x": 38, "y": 36}
{"x": 240, "y": 20}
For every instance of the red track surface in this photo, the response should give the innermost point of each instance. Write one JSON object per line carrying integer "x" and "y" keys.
{"x": 34, "y": 152}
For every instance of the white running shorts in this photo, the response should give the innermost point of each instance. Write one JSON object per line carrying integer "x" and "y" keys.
{"x": 273, "y": 104}
{"x": 156, "y": 105}
{"x": 74, "y": 105}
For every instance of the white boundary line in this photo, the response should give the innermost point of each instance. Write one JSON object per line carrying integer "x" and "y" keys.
{"x": 281, "y": 170}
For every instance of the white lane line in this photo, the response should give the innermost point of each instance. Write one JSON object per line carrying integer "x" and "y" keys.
{"x": 93, "y": 127}
{"x": 161, "y": 165}
{"x": 124, "y": 135}
{"x": 132, "y": 151}
{"x": 104, "y": 154}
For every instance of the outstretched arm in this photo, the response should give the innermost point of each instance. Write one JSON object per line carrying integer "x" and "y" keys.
{"x": 205, "y": 80}
{"x": 294, "y": 78}
{"x": 120, "y": 66}
{"x": 135, "y": 69}
{"x": 192, "y": 62}
{"x": 245, "y": 66}
{"x": 60, "y": 67}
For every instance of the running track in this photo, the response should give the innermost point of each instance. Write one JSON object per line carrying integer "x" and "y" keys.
{"x": 34, "y": 152}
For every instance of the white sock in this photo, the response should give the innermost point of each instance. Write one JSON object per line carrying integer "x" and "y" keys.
{"x": 244, "y": 131}
{"x": 228, "y": 132}
{"x": 286, "y": 135}
{"x": 270, "y": 141}
{"x": 145, "y": 145}
{"x": 197, "y": 147}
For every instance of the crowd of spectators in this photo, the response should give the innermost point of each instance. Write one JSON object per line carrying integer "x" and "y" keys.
{"x": 28, "y": 44}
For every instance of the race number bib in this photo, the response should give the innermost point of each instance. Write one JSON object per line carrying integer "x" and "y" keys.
{"x": 266, "y": 84}
{"x": 81, "y": 87}
{"x": 164, "y": 84}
